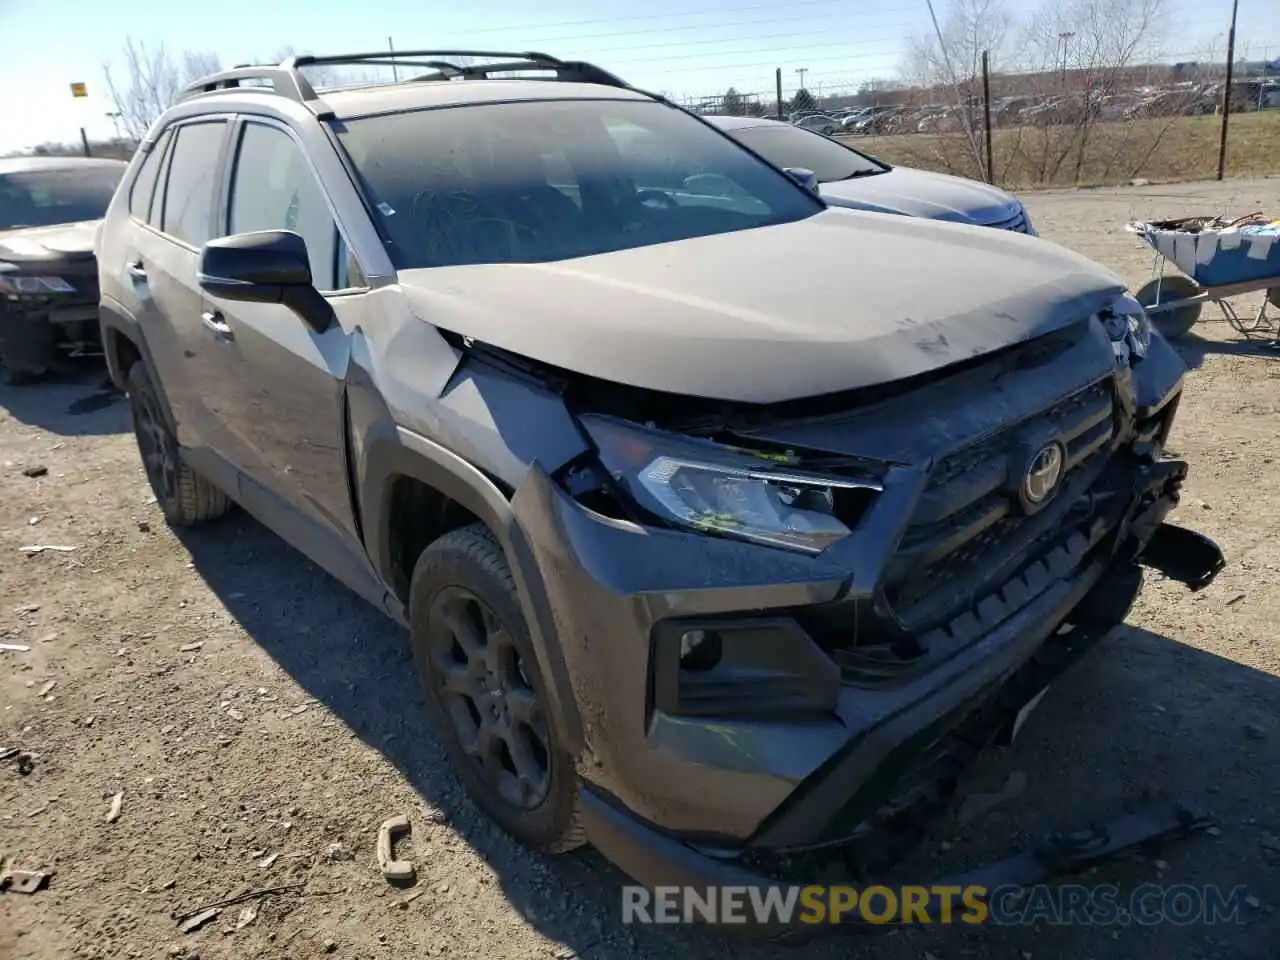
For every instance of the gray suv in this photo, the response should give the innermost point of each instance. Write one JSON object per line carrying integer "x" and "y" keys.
{"x": 703, "y": 558}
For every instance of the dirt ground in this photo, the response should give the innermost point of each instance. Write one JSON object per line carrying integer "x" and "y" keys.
{"x": 259, "y": 722}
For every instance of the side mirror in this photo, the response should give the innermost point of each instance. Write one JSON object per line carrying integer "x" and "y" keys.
{"x": 806, "y": 178}
{"x": 266, "y": 266}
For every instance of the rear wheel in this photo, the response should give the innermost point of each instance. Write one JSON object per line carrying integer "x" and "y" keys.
{"x": 1178, "y": 322}
{"x": 484, "y": 691}
{"x": 185, "y": 497}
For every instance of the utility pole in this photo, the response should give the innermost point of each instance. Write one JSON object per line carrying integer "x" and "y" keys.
{"x": 1064, "y": 38}
{"x": 1226, "y": 90}
{"x": 115, "y": 119}
{"x": 777, "y": 79}
{"x": 395, "y": 72}
{"x": 802, "y": 71}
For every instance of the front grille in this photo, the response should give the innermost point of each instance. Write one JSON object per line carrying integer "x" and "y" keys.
{"x": 969, "y": 528}
{"x": 1017, "y": 222}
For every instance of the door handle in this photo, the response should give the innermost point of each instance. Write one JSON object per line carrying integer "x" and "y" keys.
{"x": 215, "y": 322}
{"x": 136, "y": 269}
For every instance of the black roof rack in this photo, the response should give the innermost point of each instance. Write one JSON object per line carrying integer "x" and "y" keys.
{"x": 286, "y": 80}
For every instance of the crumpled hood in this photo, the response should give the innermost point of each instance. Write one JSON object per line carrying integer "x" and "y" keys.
{"x": 918, "y": 193}
{"x": 64, "y": 241}
{"x": 838, "y": 301}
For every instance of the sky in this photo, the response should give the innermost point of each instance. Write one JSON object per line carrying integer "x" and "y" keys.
{"x": 699, "y": 47}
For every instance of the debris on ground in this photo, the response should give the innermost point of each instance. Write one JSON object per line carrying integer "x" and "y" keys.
{"x": 26, "y": 608}
{"x": 268, "y": 860}
{"x": 976, "y": 804}
{"x": 329, "y": 946}
{"x": 15, "y": 647}
{"x": 23, "y": 881}
{"x": 218, "y": 905}
{"x": 44, "y": 691}
{"x": 36, "y": 470}
{"x": 337, "y": 852}
{"x": 191, "y": 647}
{"x": 35, "y": 548}
{"x": 144, "y": 527}
{"x": 247, "y": 916}
{"x": 117, "y": 805}
{"x": 393, "y": 869}
{"x": 191, "y": 924}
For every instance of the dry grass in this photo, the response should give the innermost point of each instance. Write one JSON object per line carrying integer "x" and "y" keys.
{"x": 1160, "y": 150}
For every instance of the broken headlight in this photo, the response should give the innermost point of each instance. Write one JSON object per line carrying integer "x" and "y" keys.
{"x": 700, "y": 485}
{"x": 1129, "y": 328}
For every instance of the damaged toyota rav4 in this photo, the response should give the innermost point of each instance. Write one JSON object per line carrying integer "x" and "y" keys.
{"x": 727, "y": 527}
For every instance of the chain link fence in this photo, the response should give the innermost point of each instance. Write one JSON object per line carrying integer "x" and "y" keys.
{"x": 1056, "y": 128}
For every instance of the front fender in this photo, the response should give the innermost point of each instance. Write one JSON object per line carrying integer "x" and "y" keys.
{"x": 389, "y": 451}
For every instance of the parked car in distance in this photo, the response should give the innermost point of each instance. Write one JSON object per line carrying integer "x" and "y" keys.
{"x": 878, "y": 120}
{"x": 818, "y": 123}
{"x": 49, "y": 213}
{"x": 726, "y": 525}
{"x": 849, "y": 178}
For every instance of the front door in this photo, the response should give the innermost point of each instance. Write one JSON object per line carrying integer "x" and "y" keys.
{"x": 286, "y": 392}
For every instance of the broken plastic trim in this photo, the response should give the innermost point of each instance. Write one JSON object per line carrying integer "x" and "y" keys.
{"x": 1183, "y": 555}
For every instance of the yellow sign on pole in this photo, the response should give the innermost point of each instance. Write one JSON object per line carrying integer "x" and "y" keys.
{"x": 79, "y": 90}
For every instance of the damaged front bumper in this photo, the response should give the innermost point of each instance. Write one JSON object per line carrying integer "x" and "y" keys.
{"x": 749, "y": 778}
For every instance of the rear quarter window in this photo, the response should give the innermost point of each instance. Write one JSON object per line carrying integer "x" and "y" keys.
{"x": 144, "y": 185}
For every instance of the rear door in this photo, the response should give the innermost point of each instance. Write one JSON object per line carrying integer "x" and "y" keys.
{"x": 160, "y": 262}
{"x": 285, "y": 386}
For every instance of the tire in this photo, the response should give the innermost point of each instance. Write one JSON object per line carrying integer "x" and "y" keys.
{"x": 185, "y": 497}
{"x": 12, "y": 375}
{"x": 1171, "y": 324}
{"x": 484, "y": 692}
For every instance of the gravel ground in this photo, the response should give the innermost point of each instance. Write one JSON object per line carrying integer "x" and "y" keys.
{"x": 258, "y": 721}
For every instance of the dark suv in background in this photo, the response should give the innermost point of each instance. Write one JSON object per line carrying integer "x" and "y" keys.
{"x": 702, "y": 559}
{"x": 49, "y": 213}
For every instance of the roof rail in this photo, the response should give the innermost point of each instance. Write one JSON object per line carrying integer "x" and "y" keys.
{"x": 283, "y": 81}
{"x": 443, "y": 62}
{"x": 286, "y": 79}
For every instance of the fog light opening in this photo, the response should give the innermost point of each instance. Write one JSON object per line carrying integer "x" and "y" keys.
{"x": 700, "y": 650}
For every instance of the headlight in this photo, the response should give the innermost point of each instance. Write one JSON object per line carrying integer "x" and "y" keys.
{"x": 34, "y": 285}
{"x": 1129, "y": 328}
{"x": 706, "y": 486}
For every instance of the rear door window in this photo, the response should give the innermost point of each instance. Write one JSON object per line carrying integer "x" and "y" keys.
{"x": 192, "y": 179}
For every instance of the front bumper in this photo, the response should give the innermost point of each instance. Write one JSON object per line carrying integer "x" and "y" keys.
{"x": 34, "y": 329}
{"x": 686, "y": 791}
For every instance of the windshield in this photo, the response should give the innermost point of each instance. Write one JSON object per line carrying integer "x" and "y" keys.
{"x": 42, "y": 198}
{"x": 789, "y": 146}
{"x": 549, "y": 180}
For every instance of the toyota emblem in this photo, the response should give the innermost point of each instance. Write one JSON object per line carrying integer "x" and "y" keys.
{"x": 1044, "y": 473}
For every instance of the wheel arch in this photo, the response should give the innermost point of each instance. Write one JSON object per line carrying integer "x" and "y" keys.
{"x": 389, "y": 455}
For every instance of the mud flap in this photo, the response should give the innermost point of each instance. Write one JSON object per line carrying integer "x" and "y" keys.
{"x": 1183, "y": 555}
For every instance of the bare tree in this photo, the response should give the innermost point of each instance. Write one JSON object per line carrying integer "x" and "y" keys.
{"x": 148, "y": 81}
{"x": 1082, "y": 53}
{"x": 950, "y": 58}
{"x": 967, "y": 27}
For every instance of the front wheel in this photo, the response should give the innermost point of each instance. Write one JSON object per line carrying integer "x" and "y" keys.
{"x": 485, "y": 693}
